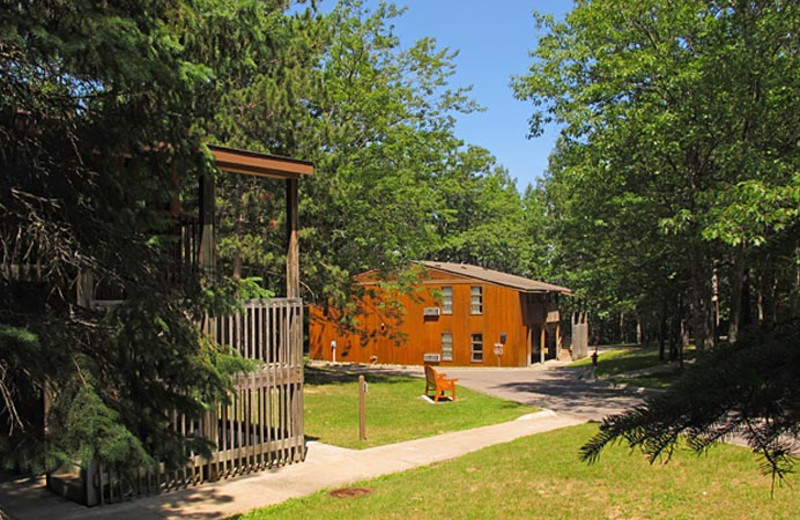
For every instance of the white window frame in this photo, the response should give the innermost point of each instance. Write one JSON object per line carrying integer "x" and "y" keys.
{"x": 447, "y": 299}
{"x": 476, "y": 354}
{"x": 447, "y": 346}
{"x": 476, "y": 299}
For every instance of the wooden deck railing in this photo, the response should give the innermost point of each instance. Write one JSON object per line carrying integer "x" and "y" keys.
{"x": 262, "y": 425}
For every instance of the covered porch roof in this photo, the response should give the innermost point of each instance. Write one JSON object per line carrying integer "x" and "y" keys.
{"x": 258, "y": 164}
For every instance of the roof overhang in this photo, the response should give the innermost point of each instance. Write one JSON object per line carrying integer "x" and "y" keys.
{"x": 564, "y": 291}
{"x": 517, "y": 283}
{"x": 259, "y": 164}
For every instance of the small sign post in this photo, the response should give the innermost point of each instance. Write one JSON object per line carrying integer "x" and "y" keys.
{"x": 498, "y": 351}
{"x": 362, "y": 408}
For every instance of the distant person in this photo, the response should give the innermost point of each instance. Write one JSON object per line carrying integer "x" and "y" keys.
{"x": 595, "y": 355}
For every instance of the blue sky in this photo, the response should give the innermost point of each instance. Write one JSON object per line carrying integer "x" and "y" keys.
{"x": 493, "y": 39}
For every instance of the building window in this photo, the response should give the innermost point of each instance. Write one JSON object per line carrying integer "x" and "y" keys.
{"x": 447, "y": 300}
{"x": 476, "y": 300}
{"x": 477, "y": 348}
{"x": 447, "y": 346}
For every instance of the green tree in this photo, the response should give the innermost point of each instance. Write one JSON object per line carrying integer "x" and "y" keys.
{"x": 377, "y": 121}
{"x": 748, "y": 389}
{"x": 676, "y": 182}
{"x": 481, "y": 220}
{"x": 385, "y": 117}
{"x": 102, "y": 113}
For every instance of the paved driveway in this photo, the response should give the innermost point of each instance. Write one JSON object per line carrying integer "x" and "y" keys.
{"x": 565, "y": 390}
{"x": 553, "y": 386}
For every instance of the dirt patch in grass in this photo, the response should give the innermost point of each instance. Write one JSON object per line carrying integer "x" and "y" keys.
{"x": 350, "y": 492}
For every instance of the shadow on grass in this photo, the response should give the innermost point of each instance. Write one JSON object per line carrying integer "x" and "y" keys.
{"x": 619, "y": 361}
{"x": 661, "y": 380}
{"x": 349, "y": 374}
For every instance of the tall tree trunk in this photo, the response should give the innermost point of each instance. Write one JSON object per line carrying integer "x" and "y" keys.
{"x": 715, "y": 297}
{"x": 640, "y": 336}
{"x": 677, "y": 334}
{"x": 662, "y": 334}
{"x": 797, "y": 263}
{"x": 684, "y": 342}
{"x": 701, "y": 308}
{"x": 766, "y": 293}
{"x": 746, "y": 314}
{"x": 737, "y": 284}
{"x": 674, "y": 338}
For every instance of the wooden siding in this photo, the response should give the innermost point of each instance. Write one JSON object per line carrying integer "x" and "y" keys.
{"x": 383, "y": 337}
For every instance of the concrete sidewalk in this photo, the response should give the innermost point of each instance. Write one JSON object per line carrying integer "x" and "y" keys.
{"x": 325, "y": 467}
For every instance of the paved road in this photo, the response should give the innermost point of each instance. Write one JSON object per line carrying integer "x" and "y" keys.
{"x": 552, "y": 386}
{"x": 566, "y": 391}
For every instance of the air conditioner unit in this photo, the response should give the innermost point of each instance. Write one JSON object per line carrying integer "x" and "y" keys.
{"x": 431, "y": 311}
{"x": 431, "y": 358}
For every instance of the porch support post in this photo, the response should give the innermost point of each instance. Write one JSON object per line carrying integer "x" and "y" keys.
{"x": 528, "y": 346}
{"x": 293, "y": 245}
{"x": 543, "y": 342}
{"x": 207, "y": 258}
{"x": 85, "y": 288}
{"x": 559, "y": 345}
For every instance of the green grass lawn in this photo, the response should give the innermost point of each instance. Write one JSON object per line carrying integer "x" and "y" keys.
{"x": 613, "y": 365}
{"x": 540, "y": 477}
{"x": 395, "y": 410}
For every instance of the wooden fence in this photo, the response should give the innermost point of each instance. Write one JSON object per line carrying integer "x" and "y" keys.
{"x": 262, "y": 425}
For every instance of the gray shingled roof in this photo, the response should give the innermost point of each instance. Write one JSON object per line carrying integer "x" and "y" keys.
{"x": 489, "y": 275}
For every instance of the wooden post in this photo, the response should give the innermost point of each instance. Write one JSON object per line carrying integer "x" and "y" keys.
{"x": 207, "y": 260}
{"x": 543, "y": 342}
{"x": 85, "y": 288}
{"x": 362, "y": 409}
{"x": 559, "y": 344}
{"x": 293, "y": 246}
{"x": 238, "y": 224}
{"x": 528, "y": 346}
{"x": 93, "y": 474}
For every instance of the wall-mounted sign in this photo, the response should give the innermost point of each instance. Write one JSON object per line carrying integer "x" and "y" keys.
{"x": 498, "y": 349}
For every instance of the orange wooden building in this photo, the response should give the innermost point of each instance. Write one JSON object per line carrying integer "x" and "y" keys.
{"x": 455, "y": 314}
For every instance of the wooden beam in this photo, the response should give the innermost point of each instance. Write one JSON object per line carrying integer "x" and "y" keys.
{"x": 259, "y": 164}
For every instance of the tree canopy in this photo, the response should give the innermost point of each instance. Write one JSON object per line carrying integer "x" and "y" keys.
{"x": 393, "y": 182}
{"x": 102, "y": 118}
{"x": 674, "y": 192}
{"x": 106, "y": 109}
